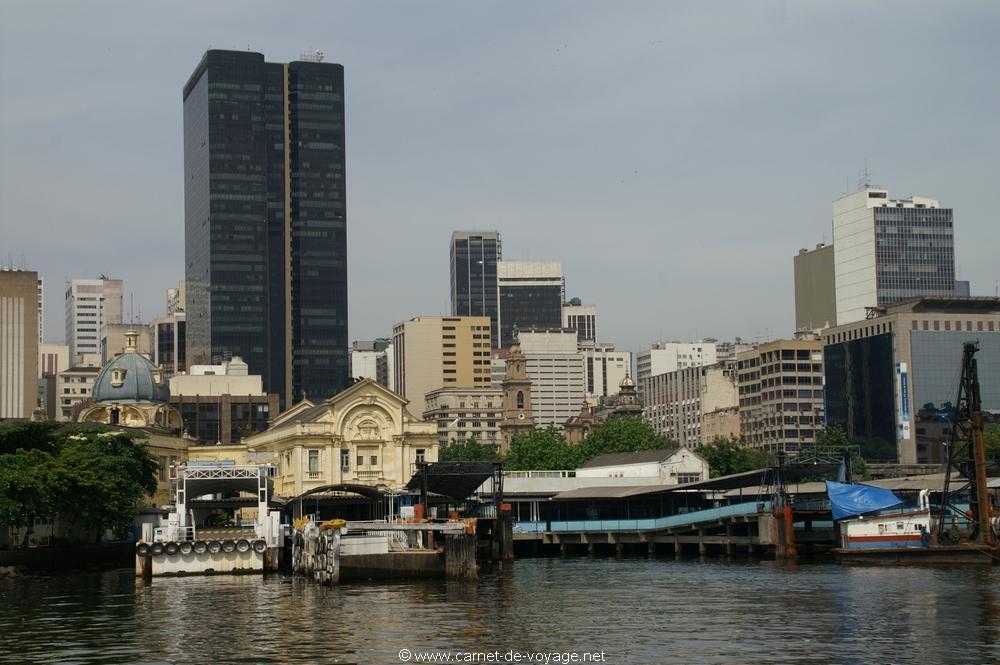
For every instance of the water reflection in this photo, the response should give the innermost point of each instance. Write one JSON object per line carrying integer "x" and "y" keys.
{"x": 636, "y": 610}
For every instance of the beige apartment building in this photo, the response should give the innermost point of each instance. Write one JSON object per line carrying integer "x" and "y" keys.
{"x": 780, "y": 387}
{"x": 461, "y": 413}
{"x": 431, "y": 352}
{"x": 18, "y": 343}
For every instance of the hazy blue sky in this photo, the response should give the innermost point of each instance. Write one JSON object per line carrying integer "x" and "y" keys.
{"x": 674, "y": 156}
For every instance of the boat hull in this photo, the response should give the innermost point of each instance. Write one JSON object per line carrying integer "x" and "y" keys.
{"x": 945, "y": 554}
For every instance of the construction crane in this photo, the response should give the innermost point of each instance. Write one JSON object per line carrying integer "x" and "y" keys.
{"x": 967, "y": 455}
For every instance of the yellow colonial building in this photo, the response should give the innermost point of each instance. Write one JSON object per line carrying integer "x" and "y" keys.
{"x": 364, "y": 435}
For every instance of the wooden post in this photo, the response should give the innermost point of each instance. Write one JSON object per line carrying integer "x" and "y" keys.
{"x": 702, "y": 550}
{"x": 460, "y": 556}
{"x": 562, "y": 550}
{"x": 590, "y": 550}
{"x": 618, "y": 550}
{"x": 651, "y": 549}
{"x": 729, "y": 543}
{"x": 677, "y": 547}
{"x": 506, "y": 533}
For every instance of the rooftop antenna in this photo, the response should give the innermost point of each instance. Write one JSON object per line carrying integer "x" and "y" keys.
{"x": 865, "y": 179}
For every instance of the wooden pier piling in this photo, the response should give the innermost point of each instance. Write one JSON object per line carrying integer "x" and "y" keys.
{"x": 460, "y": 556}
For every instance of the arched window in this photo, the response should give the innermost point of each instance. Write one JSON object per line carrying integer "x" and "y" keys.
{"x": 520, "y": 399}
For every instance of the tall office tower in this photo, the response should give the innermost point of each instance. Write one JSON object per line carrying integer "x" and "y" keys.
{"x": 474, "y": 258}
{"x": 581, "y": 318}
{"x": 90, "y": 305}
{"x": 529, "y": 295}
{"x": 18, "y": 343}
{"x": 815, "y": 291}
{"x": 558, "y": 374}
{"x": 887, "y": 250}
{"x": 41, "y": 300}
{"x": 431, "y": 352}
{"x": 266, "y": 220}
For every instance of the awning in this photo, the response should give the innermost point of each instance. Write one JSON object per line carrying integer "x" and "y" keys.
{"x": 456, "y": 480}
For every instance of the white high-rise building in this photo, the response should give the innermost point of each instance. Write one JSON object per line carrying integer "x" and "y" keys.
{"x": 887, "y": 250}
{"x": 604, "y": 368}
{"x": 90, "y": 304}
{"x": 665, "y": 357}
{"x": 582, "y": 318}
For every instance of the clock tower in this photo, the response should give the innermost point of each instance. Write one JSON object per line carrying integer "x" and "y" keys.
{"x": 517, "y": 414}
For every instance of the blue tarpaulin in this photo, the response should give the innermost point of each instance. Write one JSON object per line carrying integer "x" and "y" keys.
{"x": 853, "y": 500}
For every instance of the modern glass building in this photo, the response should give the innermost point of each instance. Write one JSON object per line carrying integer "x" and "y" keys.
{"x": 895, "y": 376}
{"x": 530, "y": 294}
{"x": 265, "y": 220}
{"x": 474, "y": 257}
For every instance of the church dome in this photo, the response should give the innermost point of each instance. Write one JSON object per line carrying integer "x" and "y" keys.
{"x": 130, "y": 378}
{"x": 627, "y": 382}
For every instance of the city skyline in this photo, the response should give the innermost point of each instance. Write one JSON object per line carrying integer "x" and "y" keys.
{"x": 735, "y": 133}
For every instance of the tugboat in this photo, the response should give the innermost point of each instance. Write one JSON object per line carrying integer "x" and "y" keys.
{"x": 947, "y": 532}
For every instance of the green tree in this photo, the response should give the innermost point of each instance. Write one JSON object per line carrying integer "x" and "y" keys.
{"x": 21, "y": 435}
{"x": 835, "y": 437}
{"x": 106, "y": 476}
{"x": 541, "y": 449}
{"x": 468, "y": 450}
{"x": 991, "y": 439}
{"x": 91, "y": 477}
{"x": 621, "y": 434}
{"x": 30, "y": 486}
{"x": 726, "y": 456}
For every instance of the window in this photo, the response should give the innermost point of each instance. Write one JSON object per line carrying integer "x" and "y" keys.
{"x": 520, "y": 399}
{"x": 421, "y": 454}
{"x": 374, "y": 460}
{"x": 361, "y": 460}
{"x": 345, "y": 460}
{"x": 313, "y": 461}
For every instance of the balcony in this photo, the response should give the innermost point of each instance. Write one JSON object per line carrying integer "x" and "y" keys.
{"x": 369, "y": 476}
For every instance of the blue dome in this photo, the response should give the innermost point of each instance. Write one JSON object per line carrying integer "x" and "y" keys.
{"x": 132, "y": 382}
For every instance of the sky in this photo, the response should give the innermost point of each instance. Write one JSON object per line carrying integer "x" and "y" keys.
{"x": 673, "y": 155}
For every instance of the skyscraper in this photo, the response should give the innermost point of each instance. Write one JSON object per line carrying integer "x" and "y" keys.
{"x": 474, "y": 257}
{"x": 266, "y": 220}
{"x": 888, "y": 250}
{"x": 18, "y": 343}
{"x": 529, "y": 295}
{"x": 91, "y": 304}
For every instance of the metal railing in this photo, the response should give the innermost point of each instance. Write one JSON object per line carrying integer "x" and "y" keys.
{"x": 644, "y": 524}
{"x": 167, "y": 534}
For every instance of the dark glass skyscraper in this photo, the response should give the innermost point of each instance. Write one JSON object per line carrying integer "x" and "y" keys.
{"x": 530, "y": 294}
{"x": 474, "y": 257}
{"x": 265, "y": 220}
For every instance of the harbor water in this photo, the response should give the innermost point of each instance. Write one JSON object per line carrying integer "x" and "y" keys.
{"x": 632, "y": 610}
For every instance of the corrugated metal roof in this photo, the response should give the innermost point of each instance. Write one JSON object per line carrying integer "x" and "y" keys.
{"x": 641, "y": 457}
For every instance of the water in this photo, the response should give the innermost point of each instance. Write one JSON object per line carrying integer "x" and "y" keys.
{"x": 635, "y": 610}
